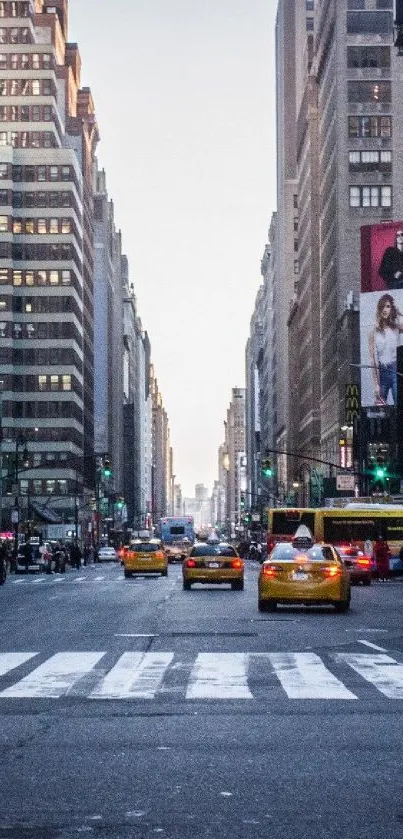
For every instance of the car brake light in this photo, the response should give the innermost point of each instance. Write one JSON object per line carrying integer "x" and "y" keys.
{"x": 364, "y": 561}
{"x": 190, "y": 563}
{"x": 332, "y": 571}
{"x": 237, "y": 563}
{"x": 269, "y": 570}
{"x": 270, "y": 545}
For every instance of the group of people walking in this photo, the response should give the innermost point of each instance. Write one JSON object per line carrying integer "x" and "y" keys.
{"x": 53, "y": 556}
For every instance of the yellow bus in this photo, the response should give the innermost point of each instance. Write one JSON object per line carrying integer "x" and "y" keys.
{"x": 353, "y": 523}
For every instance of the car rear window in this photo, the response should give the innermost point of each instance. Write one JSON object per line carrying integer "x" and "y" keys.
{"x": 213, "y": 550}
{"x": 286, "y": 553}
{"x": 145, "y": 547}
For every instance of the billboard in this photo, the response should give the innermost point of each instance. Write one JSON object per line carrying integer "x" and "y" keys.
{"x": 382, "y": 256}
{"x": 381, "y": 332}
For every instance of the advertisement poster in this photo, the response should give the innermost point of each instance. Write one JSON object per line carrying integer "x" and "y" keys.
{"x": 382, "y": 256}
{"x": 381, "y": 332}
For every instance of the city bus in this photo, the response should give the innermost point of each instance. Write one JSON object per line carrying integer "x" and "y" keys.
{"x": 177, "y": 534}
{"x": 353, "y": 523}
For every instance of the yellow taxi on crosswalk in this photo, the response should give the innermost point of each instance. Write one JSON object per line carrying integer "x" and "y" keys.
{"x": 302, "y": 572}
{"x": 215, "y": 562}
{"x": 144, "y": 557}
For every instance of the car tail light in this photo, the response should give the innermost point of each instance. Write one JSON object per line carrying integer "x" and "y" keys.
{"x": 237, "y": 563}
{"x": 190, "y": 563}
{"x": 364, "y": 561}
{"x": 269, "y": 570}
{"x": 332, "y": 571}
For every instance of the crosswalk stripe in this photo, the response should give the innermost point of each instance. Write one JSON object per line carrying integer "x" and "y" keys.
{"x": 219, "y": 676}
{"x": 215, "y": 676}
{"x": 134, "y": 676}
{"x": 8, "y": 661}
{"x": 383, "y": 672}
{"x": 54, "y": 677}
{"x": 304, "y": 676}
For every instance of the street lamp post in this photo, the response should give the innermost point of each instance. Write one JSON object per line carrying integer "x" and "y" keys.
{"x": 226, "y": 467}
{"x": 15, "y": 513}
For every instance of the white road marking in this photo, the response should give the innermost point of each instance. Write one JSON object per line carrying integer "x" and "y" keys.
{"x": 382, "y": 671}
{"x": 373, "y": 646}
{"x": 54, "y": 677}
{"x": 40, "y": 580}
{"x": 81, "y": 579}
{"x": 98, "y": 579}
{"x": 304, "y": 676}
{"x": 135, "y": 635}
{"x": 8, "y": 661}
{"x": 219, "y": 676}
{"x": 134, "y": 676}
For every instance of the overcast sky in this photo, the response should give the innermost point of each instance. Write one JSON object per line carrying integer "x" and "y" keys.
{"x": 185, "y": 101}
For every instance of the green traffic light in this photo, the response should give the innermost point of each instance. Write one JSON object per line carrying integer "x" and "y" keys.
{"x": 380, "y": 472}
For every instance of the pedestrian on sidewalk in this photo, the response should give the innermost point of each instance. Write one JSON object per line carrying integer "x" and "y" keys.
{"x": 381, "y": 555}
{"x": 75, "y": 555}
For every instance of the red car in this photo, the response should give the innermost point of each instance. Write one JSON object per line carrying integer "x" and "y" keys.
{"x": 359, "y": 566}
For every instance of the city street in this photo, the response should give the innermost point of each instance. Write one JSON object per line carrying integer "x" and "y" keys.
{"x": 132, "y": 708}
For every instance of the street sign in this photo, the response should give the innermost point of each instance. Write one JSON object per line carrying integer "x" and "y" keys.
{"x": 346, "y": 482}
{"x": 255, "y": 516}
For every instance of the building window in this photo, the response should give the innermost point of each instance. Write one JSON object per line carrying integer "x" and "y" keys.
{"x": 370, "y": 196}
{"x": 3, "y": 224}
{"x": 369, "y": 91}
{"x": 370, "y": 126}
{"x": 372, "y": 160}
{"x": 376, "y": 23}
{"x": 66, "y": 382}
{"x": 363, "y": 57}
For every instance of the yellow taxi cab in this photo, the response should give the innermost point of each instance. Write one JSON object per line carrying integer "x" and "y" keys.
{"x": 145, "y": 557}
{"x": 305, "y": 573}
{"x": 216, "y": 562}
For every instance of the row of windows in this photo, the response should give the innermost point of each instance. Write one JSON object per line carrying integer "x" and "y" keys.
{"x": 373, "y": 160}
{"x": 56, "y": 252}
{"x": 26, "y": 113}
{"x": 66, "y": 409}
{"x": 49, "y": 486}
{"x": 15, "y": 277}
{"x": 369, "y": 91}
{"x": 27, "y": 87}
{"x": 43, "y": 357}
{"x": 36, "y": 173}
{"x": 370, "y": 196}
{"x": 54, "y": 382}
{"x": 361, "y": 4}
{"x": 16, "y": 35}
{"x": 370, "y": 126}
{"x": 40, "y": 226}
{"x": 48, "y": 305}
{"x": 26, "y": 61}
{"x": 14, "y": 8}
{"x": 44, "y": 331}
{"x": 42, "y": 435}
{"x": 29, "y": 139}
{"x": 363, "y": 57}
{"x": 37, "y": 199}
{"x": 370, "y": 22}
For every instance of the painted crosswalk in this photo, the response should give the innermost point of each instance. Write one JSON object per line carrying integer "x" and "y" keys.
{"x": 98, "y": 675}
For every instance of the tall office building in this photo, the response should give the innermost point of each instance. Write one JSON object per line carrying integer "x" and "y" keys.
{"x": 340, "y": 133}
{"x": 48, "y": 137}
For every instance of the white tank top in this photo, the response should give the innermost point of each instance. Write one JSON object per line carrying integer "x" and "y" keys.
{"x": 386, "y": 343}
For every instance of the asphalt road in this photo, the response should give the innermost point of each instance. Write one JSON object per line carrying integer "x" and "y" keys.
{"x": 130, "y": 709}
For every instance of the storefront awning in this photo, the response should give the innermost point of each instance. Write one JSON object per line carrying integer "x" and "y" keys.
{"x": 45, "y": 513}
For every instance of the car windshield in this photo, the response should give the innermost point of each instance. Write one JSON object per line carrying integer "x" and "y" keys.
{"x": 287, "y": 553}
{"x": 213, "y": 550}
{"x": 145, "y": 547}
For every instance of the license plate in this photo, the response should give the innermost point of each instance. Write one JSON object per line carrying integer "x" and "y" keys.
{"x": 213, "y": 564}
{"x": 144, "y": 556}
{"x": 300, "y": 576}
